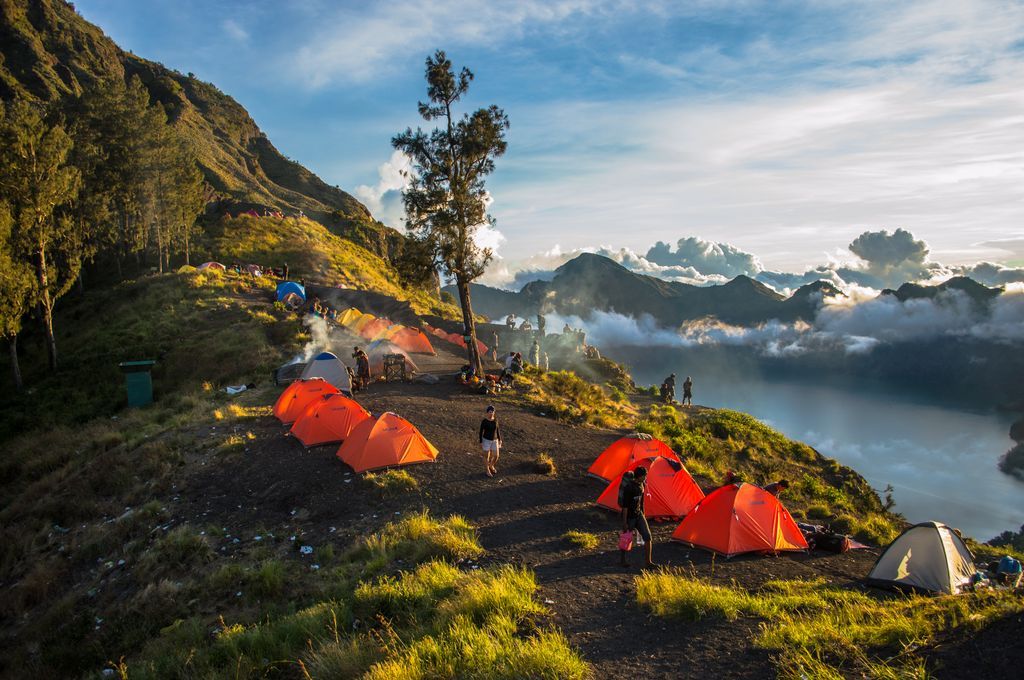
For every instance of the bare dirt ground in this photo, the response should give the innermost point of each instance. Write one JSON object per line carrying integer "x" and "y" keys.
{"x": 278, "y": 488}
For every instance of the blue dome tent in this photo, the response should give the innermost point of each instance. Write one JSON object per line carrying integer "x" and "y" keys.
{"x": 290, "y": 288}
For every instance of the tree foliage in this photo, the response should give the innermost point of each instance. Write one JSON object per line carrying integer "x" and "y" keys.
{"x": 446, "y": 200}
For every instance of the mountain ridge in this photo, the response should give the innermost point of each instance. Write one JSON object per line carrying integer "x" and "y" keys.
{"x": 593, "y": 282}
{"x": 50, "y": 53}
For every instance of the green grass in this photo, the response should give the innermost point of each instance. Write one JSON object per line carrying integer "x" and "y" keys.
{"x": 582, "y": 539}
{"x": 819, "y": 628}
{"x": 392, "y": 482}
{"x": 566, "y": 396}
{"x": 430, "y": 620}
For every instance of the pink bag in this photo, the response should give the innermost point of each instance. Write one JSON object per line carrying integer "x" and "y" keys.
{"x": 626, "y": 540}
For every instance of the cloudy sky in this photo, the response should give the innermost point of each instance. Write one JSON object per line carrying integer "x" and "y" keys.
{"x": 784, "y": 129}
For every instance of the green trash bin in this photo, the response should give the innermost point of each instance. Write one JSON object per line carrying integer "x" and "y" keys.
{"x": 138, "y": 381}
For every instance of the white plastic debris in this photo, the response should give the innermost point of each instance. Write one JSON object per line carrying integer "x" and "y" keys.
{"x": 306, "y": 550}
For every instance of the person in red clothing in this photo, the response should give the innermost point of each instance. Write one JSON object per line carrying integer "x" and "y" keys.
{"x": 490, "y": 441}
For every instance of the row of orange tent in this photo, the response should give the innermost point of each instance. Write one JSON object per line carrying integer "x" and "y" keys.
{"x": 373, "y": 328}
{"x": 455, "y": 339}
{"x": 732, "y": 519}
{"x": 319, "y": 414}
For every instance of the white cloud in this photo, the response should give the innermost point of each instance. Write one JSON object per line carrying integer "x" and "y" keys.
{"x": 355, "y": 46}
{"x": 384, "y": 199}
{"x": 235, "y": 31}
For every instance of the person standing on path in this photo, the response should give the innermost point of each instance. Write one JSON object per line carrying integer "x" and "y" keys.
{"x": 490, "y": 441}
{"x": 535, "y": 354}
{"x": 494, "y": 346}
{"x": 633, "y": 518}
{"x": 687, "y": 392}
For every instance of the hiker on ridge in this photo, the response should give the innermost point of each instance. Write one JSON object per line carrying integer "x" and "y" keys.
{"x": 670, "y": 388}
{"x": 633, "y": 518}
{"x": 535, "y": 354}
{"x": 687, "y": 392}
{"x": 490, "y": 441}
{"x": 494, "y": 346}
{"x": 510, "y": 321}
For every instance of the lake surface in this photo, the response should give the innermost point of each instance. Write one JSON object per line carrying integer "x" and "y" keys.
{"x": 940, "y": 461}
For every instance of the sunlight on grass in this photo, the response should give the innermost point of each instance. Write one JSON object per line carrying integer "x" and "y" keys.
{"x": 821, "y": 627}
{"x": 582, "y": 539}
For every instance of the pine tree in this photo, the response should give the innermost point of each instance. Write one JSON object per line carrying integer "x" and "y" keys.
{"x": 446, "y": 201}
{"x": 16, "y": 290}
{"x": 37, "y": 181}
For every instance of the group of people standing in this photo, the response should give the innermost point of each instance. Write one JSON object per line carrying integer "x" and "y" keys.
{"x": 668, "y": 390}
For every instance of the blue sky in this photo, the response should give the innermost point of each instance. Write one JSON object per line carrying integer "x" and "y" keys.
{"x": 783, "y": 128}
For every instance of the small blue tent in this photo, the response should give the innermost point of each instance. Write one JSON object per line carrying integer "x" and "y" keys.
{"x": 290, "y": 288}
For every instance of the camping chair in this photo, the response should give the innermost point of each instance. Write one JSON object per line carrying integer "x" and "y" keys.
{"x": 394, "y": 368}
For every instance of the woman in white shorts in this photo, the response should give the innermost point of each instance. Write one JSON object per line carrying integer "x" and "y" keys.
{"x": 490, "y": 441}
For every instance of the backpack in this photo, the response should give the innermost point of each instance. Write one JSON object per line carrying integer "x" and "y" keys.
{"x": 831, "y": 542}
{"x": 624, "y": 485}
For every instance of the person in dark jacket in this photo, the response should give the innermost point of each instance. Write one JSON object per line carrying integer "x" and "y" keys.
{"x": 490, "y": 441}
{"x": 688, "y": 392}
{"x": 633, "y": 518}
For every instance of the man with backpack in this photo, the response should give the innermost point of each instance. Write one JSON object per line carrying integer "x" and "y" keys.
{"x": 631, "y": 500}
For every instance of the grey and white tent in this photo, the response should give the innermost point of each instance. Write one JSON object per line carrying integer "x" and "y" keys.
{"x": 328, "y": 366}
{"x": 927, "y": 557}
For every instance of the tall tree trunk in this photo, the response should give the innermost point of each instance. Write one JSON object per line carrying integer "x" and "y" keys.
{"x": 46, "y": 305}
{"x": 117, "y": 259}
{"x": 467, "y": 320}
{"x": 15, "y": 366}
{"x": 81, "y": 280}
{"x": 185, "y": 227}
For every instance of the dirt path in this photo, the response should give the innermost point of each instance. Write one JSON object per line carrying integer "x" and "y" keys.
{"x": 277, "y": 488}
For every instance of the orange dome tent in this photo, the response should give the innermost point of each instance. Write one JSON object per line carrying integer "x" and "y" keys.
{"x": 671, "y": 491}
{"x": 389, "y": 440}
{"x": 328, "y": 420}
{"x": 374, "y": 328}
{"x": 297, "y": 396}
{"x": 411, "y": 340}
{"x": 617, "y": 458}
{"x": 740, "y": 518}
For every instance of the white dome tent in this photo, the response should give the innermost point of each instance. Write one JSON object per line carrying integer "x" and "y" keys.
{"x": 927, "y": 557}
{"x": 328, "y": 366}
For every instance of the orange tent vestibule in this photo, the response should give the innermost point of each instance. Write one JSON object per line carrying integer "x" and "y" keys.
{"x": 297, "y": 396}
{"x": 671, "y": 491}
{"x": 617, "y": 458}
{"x": 387, "y": 441}
{"x": 740, "y": 518}
{"x": 328, "y": 420}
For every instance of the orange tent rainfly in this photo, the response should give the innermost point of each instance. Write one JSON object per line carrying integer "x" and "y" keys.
{"x": 328, "y": 420}
{"x": 297, "y": 396}
{"x": 739, "y": 518}
{"x": 411, "y": 340}
{"x": 671, "y": 491}
{"x": 387, "y": 441}
{"x": 617, "y": 458}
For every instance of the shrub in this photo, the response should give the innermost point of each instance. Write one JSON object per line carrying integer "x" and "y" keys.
{"x": 182, "y": 548}
{"x": 392, "y": 482}
{"x": 545, "y": 465}
{"x": 418, "y": 537}
{"x": 581, "y": 539}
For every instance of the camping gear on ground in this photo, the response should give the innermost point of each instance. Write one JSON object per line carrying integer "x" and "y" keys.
{"x": 328, "y": 420}
{"x": 394, "y": 368}
{"x": 626, "y": 541}
{"x": 217, "y": 266}
{"x": 238, "y": 389}
{"x": 928, "y": 557}
{"x": 289, "y": 291}
{"x": 378, "y": 349}
{"x": 328, "y": 366}
{"x": 671, "y": 492}
{"x": 387, "y": 441}
{"x": 297, "y": 396}
{"x": 138, "y": 381}
{"x": 617, "y": 458}
{"x": 740, "y": 518}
